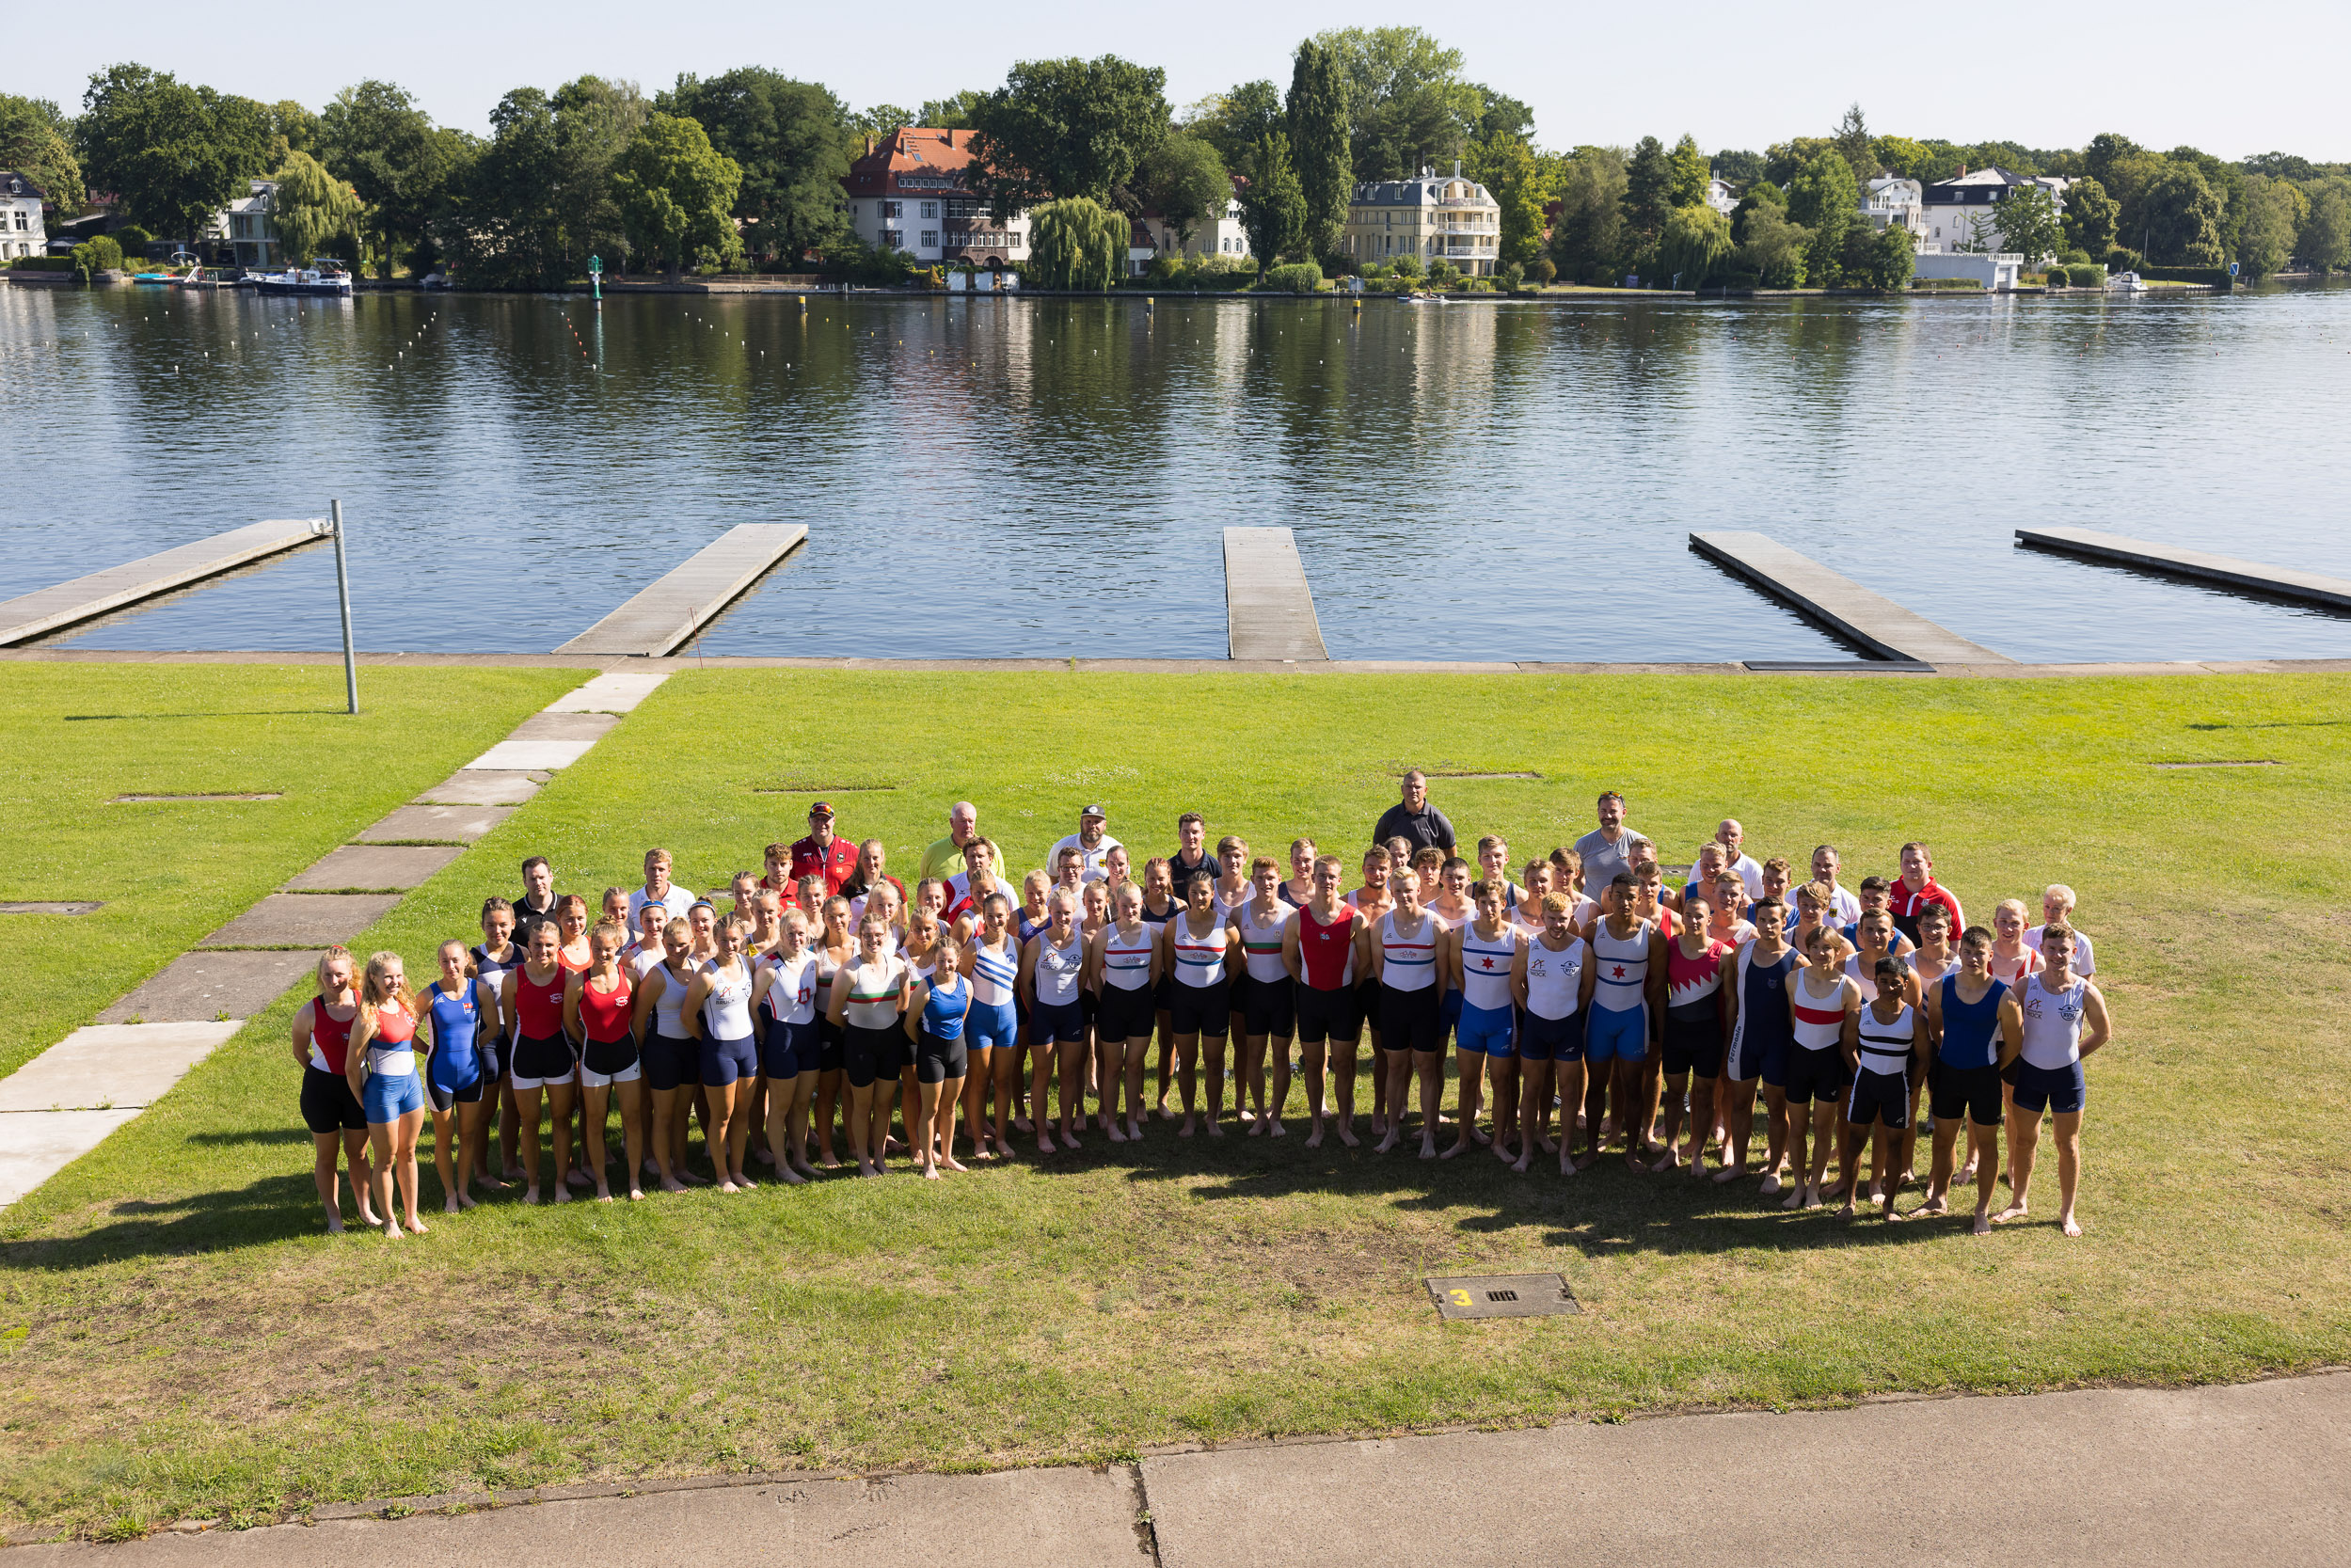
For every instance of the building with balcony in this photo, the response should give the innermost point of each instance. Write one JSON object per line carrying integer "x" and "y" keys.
{"x": 1960, "y": 214}
{"x": 1431, "y": 215}
{"x": 1891, "y": 201}
{"x": 248, "y": 228}
{"x": 21, "y": 233}
{"x": 1721, "y": 196}
{"x": 907, "y": 193}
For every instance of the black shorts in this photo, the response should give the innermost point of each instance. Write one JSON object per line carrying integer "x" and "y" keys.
{"x": 1551, "y": 1039}
{"x": 606, "y": 1057}
{"x": 936, "y": 1061}
{"x": 464, "y": 1093}
{"x": 1237, "y": 984}
{"x": 1973, "y": 1089}
{"x": 1270, "y": 1008}
{"x": 544, "y": 1061}
{"x": 1882, "y": 1098}
{"x": 1411, "y": 1019}
{"x": 1367, "y": 1003}
{"x": 1203, "y": 1009}
{"x": 493, "y": 1055}
{"x": 1694, "y": 1046}
{"x": 1815, "y": 1074}
{"x": 1162, "y": 992}
{"x": 829, "y": 1038}
{"x": 869, "y": 1054}
{"x": 328, "y": 1105}
{"x": 671, "y": 1063}
{"x": 1332, "y": 1015}
{"x": 1125, "y": 1015}
{"x": 1089, "y": 1005}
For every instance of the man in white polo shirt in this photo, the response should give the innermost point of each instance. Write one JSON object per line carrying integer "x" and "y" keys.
{"x": 1730, "y": 835}
{"x": 1093, "y": 845}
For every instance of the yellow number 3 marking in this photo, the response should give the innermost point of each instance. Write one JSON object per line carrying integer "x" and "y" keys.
{"x": 1461, "y": 1298}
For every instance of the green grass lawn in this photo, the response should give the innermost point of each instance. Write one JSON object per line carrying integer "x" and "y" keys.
{"x": 171, "y": 872}
{"x": 179, "y": 1340}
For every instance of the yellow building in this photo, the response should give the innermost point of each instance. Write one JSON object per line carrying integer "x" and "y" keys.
{"x": 1431, "y": 216}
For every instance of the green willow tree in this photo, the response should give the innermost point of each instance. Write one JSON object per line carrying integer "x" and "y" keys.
{"x": 1695, "y": 239}
{"x": 1076, "y": 243}
{"x": 311, "y": 207}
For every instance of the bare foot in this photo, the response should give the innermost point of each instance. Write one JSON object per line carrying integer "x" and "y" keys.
{"x": 1045, "y": 1146}
{"x": 1190, "y": 1125}
{"x": 1428, "y": 1149}
{"x": 578, "y": 1177}
{"x": 1816, "y": 1200}
{"x": 949, "y": 1164}
{"x": 2013, "y": 1211}
{"x": 1668, "y": 1160}
{"x": 603, "y": 1195}
{"x": 449, "y": 1205}
{"x": 690, "y": 1178}
{"x": 930, "y": 1173}
{"x": 671, "y": 1184}
{"x": 1633, "y": 1159}
{"x": 1394, "y": 1133}
{"x": 1255, "y": 1130}
{"x": 1505, "y": 1153}
{"x": 1215, "y": 1127}
{"x": 1346, "y": 1133}
{"x": 1456, "y": 1147}
{"x": 1568, "y": 1165}
{"x": 563, "y": 1193}
{"x": 1314, "y": 1134}
{"x": 531, "y": 1194}
{"x": 2070, "y": 1226}
{"x": 1134, "y": 1130}
{"x": 1771, "y": 1187}
{"x": 492, "y": 1182}
{"x": 1116, "y": 1137}
{"x": 1795, "y": 1197}
{"x": 391, "y": 1232}
{"x": 1893, "y": 1218}
{"x": 1846, "y": 1212}
{"x": 1933, "y": 1206}
{"x": 1521, "y": 1164}
{"x": 334, "y": 1225}
{"x": 1069, "y": 1139}
{"x": 368, "y": 1217}
{"x": 792, "y": 1178}
{"x": 1983, "y": 1223}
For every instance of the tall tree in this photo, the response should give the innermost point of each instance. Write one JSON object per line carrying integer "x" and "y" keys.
{"x": 1696, "y": 238}
{"x": 294, "y": 125}
{"x": 1064, "y": 128}
{"x": 1317, "y": 131}
{"x": 1232, "y": 122}
{"x": 174, "y": 154}
{"x": 677, "y": 194}
{"x": 2182, "y": 217}
{"x": 789, "y": 141}
{"x": 882, "y": 118}
{"x": 1649, "y": 195}
{"x": 1776, "y": 247}
{"x": 2089, "y": 217}
{"x": 1587, "y": 236}
{"x": 374, "y": 135}
{"x": 1522, "y": 182}
{"x": 1273, "y": 208}
{"x": 1739, "y": 167}
{"x": 2324, "y": 241}
{"x": 1688, "y": 185}
{"x": 537, "y": 201}
{"x": 32, "y": 138}
{"x": 2028, "y": 223}
{"x": 1859, "y": 147}
{"x": 309, "y": 207}
{"x": 1910, "y": 159}
{"x": 1501, "y": 115}
{"x": 2267, "y": 242}
{"x": 953, "y": 112}
{"x": 1185, "y": 181}
{"x": 1824, "y": 199}
{"x": 1407, "y": 105}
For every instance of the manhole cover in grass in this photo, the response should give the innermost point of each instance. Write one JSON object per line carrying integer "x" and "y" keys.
{"x": 1501, "y": 1295}
{"x": 2250, "y": 762}
{"x": 151, "y": 800}
{"x": 52, "y": 906}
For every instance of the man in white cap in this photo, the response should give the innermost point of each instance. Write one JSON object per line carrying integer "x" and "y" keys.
{"x": 1093, "y": 844}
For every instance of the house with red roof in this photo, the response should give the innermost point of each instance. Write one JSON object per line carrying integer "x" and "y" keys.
{"x": 908, "y": 193}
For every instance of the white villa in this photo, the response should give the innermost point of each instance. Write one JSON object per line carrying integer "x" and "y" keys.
{"x": 1721, "y": 196}
{"x": 1890, "y": 202}
{"x": 1225, "y": 236}
{"x": 1430, "y": 216}
{"x": 21, "y": 233}
{"x": 246, "y": 226}
{"x": 1958, "y": 214}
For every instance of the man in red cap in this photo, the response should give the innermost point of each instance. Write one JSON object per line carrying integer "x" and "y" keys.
{"x": 822, "y": 853}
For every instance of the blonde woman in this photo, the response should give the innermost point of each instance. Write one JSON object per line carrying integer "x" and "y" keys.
{"x": 867, "y": 1005}
{"x": 784, "y": 999}
{"x": 718, "y": 1014}
{"x": 462, "y": 1010}
{"x": 673, "y": 1060}
{"x": 533, "y": 1000}
{"x": 935, "y": 1020}
{"x": 599, "y": 1012}
{"x": 338, "y": 1122}
{"x": 381, "y": 1067}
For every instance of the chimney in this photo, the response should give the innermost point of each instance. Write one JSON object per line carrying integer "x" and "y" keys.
{"x": 1456, "y": 168}
{"x": 1962, "y": 173}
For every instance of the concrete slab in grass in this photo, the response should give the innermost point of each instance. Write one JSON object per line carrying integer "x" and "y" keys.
{"x": 483, "y": 786}
{"x": 547, "y": 757}
{"x": 303, "y": 920}
{"x": 374, "y": 866}
{"x": 616, "y": 691}
{"x": 458, "y": 824}
{"x": 552, "y": 724}
{"x": 36, "y": 1144}
{"x": 112, "y": 1066}
{"x": 201, "y": 987}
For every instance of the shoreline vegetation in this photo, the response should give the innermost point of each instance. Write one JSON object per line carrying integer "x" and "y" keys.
{"x": 178, "y": 1337}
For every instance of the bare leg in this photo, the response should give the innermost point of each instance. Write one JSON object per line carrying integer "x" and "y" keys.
{"x": 509, "y": 1126}
{"x": 1798, "y": 1146}
{"x": 1984, "y": 1154}
{"x": 1393, "y": 1069}
{"x": 1469, "y": 1067}
{"x": 632, "y": 1131}
{"x": 2069, "y": 1169}
{"x": 1187, "y": 1048}
{"x": 1213, "y": 1048}
{"x": 1939, "y": 1168}
{"x": 1250, "y": 1091}
{"x": 828, "y": 1099}
{"x": 860, "y": 1118}
{"x": 1429, "y": 1067}
{"x": 1076, "y": 1056}
{"x": 1736, "y": 1102}
{"x": 1340, "y": 1086}
{"x": 926, "y": 1138}
{"x": 598, "y": 1098}
{"x": 1534, "y": 1099}
{"x": 1503, "y": 1070}
{"x": 1675, "y": 1090}
{"x": 1137, "y": 1059}
{"x": 1166, "y": 1056}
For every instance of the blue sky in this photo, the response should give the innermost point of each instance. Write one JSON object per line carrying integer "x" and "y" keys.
{"x": 1732, "y": 75}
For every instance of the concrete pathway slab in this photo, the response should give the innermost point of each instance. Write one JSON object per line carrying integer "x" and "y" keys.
{"x": 693, "y": 594}
{"x": 1269, "y": 609}
{"x": 2255, "y": 1474}
{"x": 614, "y": 691}
{"x": 537, "y": 756}
{"x": 1863, "y": 614}
{"x": 555, "y": 725}
{"x": 201, "y": 986}
{"x": 483, "y": 786}
{"x": 2121, "y": 549}
{"x": 450, "y": 824}
{"x": 376, "y": 868}
{"x": 53, "y": 906}
{"x": 1074, "y": 1517}
{"x": 303, "y": 920}
{"x": 65, "y": 604}
{"x": 112, "y": 1066}
{"x": 36, "y": 1144}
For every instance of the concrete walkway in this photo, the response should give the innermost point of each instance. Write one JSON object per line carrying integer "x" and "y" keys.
{"x": 71, "y": 1098}
{"x": 2256, "y": 1474}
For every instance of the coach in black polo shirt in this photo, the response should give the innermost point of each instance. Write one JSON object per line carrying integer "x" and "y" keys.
{"x": 1414, "y": 818}
{"x": 536, "y": 907}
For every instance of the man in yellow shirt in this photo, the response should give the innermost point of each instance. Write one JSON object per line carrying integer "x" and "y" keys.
{"x": 945, "y": 857}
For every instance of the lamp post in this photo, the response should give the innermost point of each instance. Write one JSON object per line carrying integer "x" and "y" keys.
{"x": 342, "y": 592}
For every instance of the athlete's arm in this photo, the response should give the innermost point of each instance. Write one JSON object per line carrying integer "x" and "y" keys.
{"x": 912, "y": 1020}
{"x": 302, "y": 1035}
{"x": 690, "y": 1011}
{"x": 1931, "y": 1018}
{"x": 1918, "y": 1042}
{"x": 573, "y": 984}
{"x": 1653, "y": 984}
{"x": 1095, "y": 945}
{"x": 1024, "y": 982}
{"x": 1731, "y": 998}
{"x": 1293, "y": 958}
{"x": 1848, "y": 1033}
{"x": 1371, "y": 958}
{"x": 1518, "y": 973}
{"x": 838, "y": 997}
{"x": 1591, "y": 977}
{"x": 354, "y": 1059}
{"x": 646, "y": 997}
{"x": 1449, "y": 960}
{"x": 508, "y": 1004}
{"x": 2096, "y": 1030}
{"x": 2011, "y": 1028}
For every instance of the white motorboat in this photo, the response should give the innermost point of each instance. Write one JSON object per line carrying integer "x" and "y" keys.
{"x": 2126, "y": 284}
{"x": 321, "y": 277}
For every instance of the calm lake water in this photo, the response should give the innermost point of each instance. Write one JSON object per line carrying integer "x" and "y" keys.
{"x": 1051, "y": 477}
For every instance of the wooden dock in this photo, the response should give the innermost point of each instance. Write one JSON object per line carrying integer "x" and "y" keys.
{"x": 2115, "y": 547}
{"x": 657, "y": 621}
{"x": 1269, "y": 610}
{"x": 1839, "y": 603}
{"x": 66, "y": 604}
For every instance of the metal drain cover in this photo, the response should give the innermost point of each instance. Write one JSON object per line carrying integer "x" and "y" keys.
{"x": 1501, "y": 1295}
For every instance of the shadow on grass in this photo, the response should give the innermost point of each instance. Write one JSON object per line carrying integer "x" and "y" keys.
{"x": 252, "y": 1135}
{"x": 275, "y": 1208}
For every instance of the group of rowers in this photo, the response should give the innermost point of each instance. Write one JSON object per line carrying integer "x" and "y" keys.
{"x": 1649, "y": 1016}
